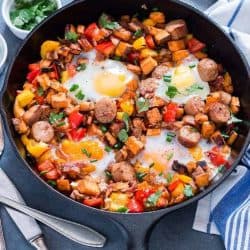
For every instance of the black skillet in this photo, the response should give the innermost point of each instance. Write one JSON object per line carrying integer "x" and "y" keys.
{"x": 220, "y": 47}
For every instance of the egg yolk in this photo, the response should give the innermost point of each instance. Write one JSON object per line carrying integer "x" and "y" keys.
{"x": 182, "y": 77}
{"x": 109, "y": 84}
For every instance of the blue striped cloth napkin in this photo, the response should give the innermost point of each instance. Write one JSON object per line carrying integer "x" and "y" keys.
{"x": 226, "y": 211}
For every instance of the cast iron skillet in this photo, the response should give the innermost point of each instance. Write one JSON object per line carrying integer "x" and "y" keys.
{"x": 221, "y": 47}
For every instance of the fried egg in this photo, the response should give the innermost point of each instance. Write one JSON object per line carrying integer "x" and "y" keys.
{"x": 182, "y": 82}
{"x": 159, "y": 154}
{"x": 107, "y": 78}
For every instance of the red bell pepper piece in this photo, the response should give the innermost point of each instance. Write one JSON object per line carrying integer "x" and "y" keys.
{"x": 135, "y": 206}
{"x": 91, "y": 30}
{"x": 134, "y": 57}
{"x": 169, "y": 114}
{"x": 194, "y": 45}
{"x": 105, "y": 48}
{"x": 216, "y": 157}
{"x": 71, "y": 70}
{"x": 52, "y": 175}
{"x": 93, "y": 202}
{"x": 142, "y": 195}
{"x": 34, "y": 66}
{"x": 32, "y": 75}
{"x": 77, "y": 134}
{"x": 39, "y": 99}
{"x": 150, "y": 41}
{"x": 45, "y": 166}
{"x": 75, "y": 119}
{"x": 173, "y": 185}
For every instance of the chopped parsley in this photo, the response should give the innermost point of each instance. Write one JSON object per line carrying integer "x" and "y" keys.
{"x": 170, "y": 156}
{"x": 51, "y": 183}
{"x": 81, "y": 67}
{"x": 170, "y": 136}
{"x": 105, "y": 22}
{"x": 221, "y": 169}
{"x": 40, "y": 91}
{"x": 122, "y": 210}
{"x": 71, "y": 36}
{"x": 188, "y": 191}
{"x": 172, "y": 91}
{"x": 167, "y": 78}
{"x": 92, "y": 161}
{"x": 60, "y": 124}
{"x": 169, "y": 177}
{"x": 192, "y": 66}
{"x": 54, "y": 117}
{"x": 194, "y": 88}
{"x": 44, "y": 172}
{"x": 74, "y": 87}
{"x": 125, "y": 118}
{"x": 152, "y": 199}
{"x": 151, "y": 165}
{"x": 138, "y": 33}
{"x": 80, "y": 95}
{"x": 85, "y": 151}
{"x": 108, "y": 174}
{"x": 140, "y": 176}
{"x": 118, "y": 145}
{"x": 142, "y": 104}
{"x": 107, "y": 149}
{"x": 123, "y": 135}
{"x": 117, "y": 58}
{"x": 103, "y": 129}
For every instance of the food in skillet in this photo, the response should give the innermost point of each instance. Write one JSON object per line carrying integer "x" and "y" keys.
{"x": 128, "y": 115}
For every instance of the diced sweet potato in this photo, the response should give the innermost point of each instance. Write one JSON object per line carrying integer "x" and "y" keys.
{"x": 233, "y": 136}
{"x": 88, "y": 186}
{"x": 134, "y": 145}
{"x": 202, "y": 180}
{"x": 154, "y": 116}
{"x": 161, "y": 36}
{"x": 134, "y": 68}
{"x": 63, "y": 185}
{"x": 227, "y": 83}
{"x": 176, "y": 45}
{"x": 156, "y": 101}
{"x": 123, "y": 49}
{"x": 153, "y": 131}
{"x": 122, "y": 34}
{"x": 235, "y": 104}
{"x": 148, "y": 64}
{"x": 110, "y": 138}
{"x": 157, "y": 17}
{"x": 207, "y": 129}
{"x": 180, "y": 54}
{"x": 60, "y": 100}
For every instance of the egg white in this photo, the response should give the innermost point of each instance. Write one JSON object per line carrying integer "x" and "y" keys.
{"x": 100, "y": 78}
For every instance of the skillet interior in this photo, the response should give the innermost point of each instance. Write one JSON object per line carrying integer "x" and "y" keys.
{"x": 220, "y": 48}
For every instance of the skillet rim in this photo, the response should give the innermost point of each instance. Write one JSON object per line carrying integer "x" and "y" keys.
{"x": 163, "y": 211}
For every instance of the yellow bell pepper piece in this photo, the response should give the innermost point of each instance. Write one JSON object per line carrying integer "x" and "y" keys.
{"x": 149, "y": 22}
{"x": 64, "y": 76}
{"x": 186, "y": 179}
{"x": 139, "y": 43}
{"x": 119, "y": 115}
{"x": 148, "y": 52}
{"x": 118, "y": 200}
{"x": 196, "y": 153}
{"x": 48, "y": 46}
{"x": 178, "y": 190}
{"x": 25, "y": 98}
{"x": 127, "y": 106}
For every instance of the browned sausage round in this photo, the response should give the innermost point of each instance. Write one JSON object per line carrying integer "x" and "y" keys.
{"x": 208, "y": 69}
{"x": 33, "y": 114}
{"x": 147, "y": 87}
{"x": 225, "y": 97}
{"x": 219, "y": 113}
{"x": 189, "y": 120}
{"x": 188, "y": 136}
{"x": 122, "y": 171}
{"x": 42, "y": 131}
{"x": 194, "y": 106}
{"x": 160, "y": 71}
{"x": 105, "y": 110}
{"x": 177, "y": 29}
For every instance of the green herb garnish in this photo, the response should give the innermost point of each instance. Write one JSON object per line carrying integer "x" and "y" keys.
{"x": 169, "y": 177}
{"x": 122, "y": 210}
{"x": 92, "y": 161}
{"x": 192, "y": 66}
{"x": 221, "y": 169}
{"x": 118, "y": 145}
{"x": 60, "y": 124}
{"x": 103, "y": 128}
{"x": 105, "y": 22}
{"x": 26, "y": 14}
{"x": 138, "y": 33}
{"x": 54, "y": 117}
{"x": 170, "y": 156}
{"x": 123, "y": 135}
{"x": 194, "y": 88}
{"x": 151, "y": 165}
{"x": 188, "y": 191}
{"x": 80, "y": 95}
{"x": 142, "y": 104}
{"x": 44, "y": 172}
{"x": 170, "y": 136}
{"x": 126, "y": 119}
{"x": 71, "y": 36}
{"x": 140, "y": 176}
{"x": 40, "y": 91}
{"x": 81, "y": 67}
{"x": 167, "y": 78}
{"x": 108, "y": 174}
{"x": 117, "y": 58}
{"x": 153, "y": 198}
{"x": 107, "y": 149}
{"x": 172, "y": 91}
{"x": 74, "y": 87}
{"x": 51, "y": 183}
{"x": 85, "y": 151}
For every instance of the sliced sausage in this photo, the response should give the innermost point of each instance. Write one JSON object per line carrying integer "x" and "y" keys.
{"x": 225, "y": 97}
{"x": 105, "y": 110}
{"x": 33, "y": 114}
{"x": 160, "y": 71}
{"x": 189, "y": 120}
{"x": 42, "y": 131}
{"x": 147, "y": 87}
{"x": 208, "y": 69}
{"x": 194, "y": 106}
{"x": 188, "y": 136}
{"x": 122, "y": 171}
{"x": 219, "y": 113}
{"x": 177, "y": 29}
